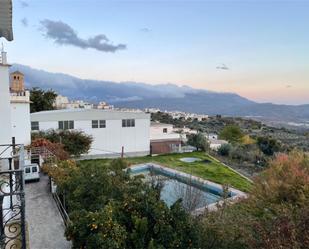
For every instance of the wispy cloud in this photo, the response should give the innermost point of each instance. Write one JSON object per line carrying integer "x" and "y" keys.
{"x": 145, "y": 30}
{"x": 63, "y": 34}
{"x": 222, "y": 67}
{"x": 24, "y": 22}
{"x": 24, "y": 4}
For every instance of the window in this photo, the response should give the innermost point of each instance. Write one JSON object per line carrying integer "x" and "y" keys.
{"x": 66, "y": 125}
{"x": 35, "y": 126}
{"x": 14, "y": 77}
{"x": 34, "y": 169}
{"x": 98, "y": 124}
{"x": 128, "y": 123}
{"x": 102, "y": 124}
{"x": 95, "y": 124}
{"x": 164, "y": 130}
{"x": 27, "y": 170}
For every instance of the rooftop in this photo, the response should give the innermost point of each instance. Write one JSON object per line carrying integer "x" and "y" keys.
{"x": 86, "y": 114}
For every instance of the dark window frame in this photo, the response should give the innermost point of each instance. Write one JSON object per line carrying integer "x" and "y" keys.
{"x": 66, "y": 125}
{"x": 35, "y": 126}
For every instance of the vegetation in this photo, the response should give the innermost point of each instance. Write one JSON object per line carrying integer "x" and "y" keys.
{"x": 198, "y": 141}
{"x": 276, "y": 214}
{"x": 232, "y": 133}
{"x": 110, "y": 209}
{"x": 41, "y": 100}
{"x": 74, "y": 142}
{"x": 208, "y": 168}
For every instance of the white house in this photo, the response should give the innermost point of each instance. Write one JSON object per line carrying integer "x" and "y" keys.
{"x": 163, "y": 139}
{"x": 5, "y": 108}
{"x": 14, "y": 108}
{"x": 112, "y": 131}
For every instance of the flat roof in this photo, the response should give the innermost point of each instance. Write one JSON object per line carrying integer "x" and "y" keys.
{"x": 156, "y": 124}
{"x": 86, "y": 114}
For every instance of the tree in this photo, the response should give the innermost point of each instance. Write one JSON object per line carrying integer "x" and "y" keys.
{"x": 268, "y": 145}
{"x": 110, "y": 209}
{"x": 74, "y": 142}
{"x": 225, "y": 149}
{"x": 41, "y": 100}
{"x": 199, "y": 141}
{"x": 232, "y": 133}
{"x": 275, "y": 214}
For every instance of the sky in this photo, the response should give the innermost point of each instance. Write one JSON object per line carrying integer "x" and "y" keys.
{"x": 258, "y": 49}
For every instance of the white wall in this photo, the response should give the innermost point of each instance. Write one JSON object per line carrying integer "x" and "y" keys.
{"x": 21, "y": 126}
{"x": 5, "y": 110}
{"x": 156, "y": 132}
{"x": 113, "y": 137}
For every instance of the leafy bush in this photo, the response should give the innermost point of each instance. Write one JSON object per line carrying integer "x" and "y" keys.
{"x": 268, "y": 145}
{"x": 109, "y": 209}
{"x": 74, "y": 142}
{"x": 199, "y": 141}
{"x": 232, "y": 133}
{"x": 275, "y": 215}
{"x": 225, "y": 149}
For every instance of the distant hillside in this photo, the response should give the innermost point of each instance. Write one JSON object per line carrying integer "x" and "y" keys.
{"x": 164, "y": 96}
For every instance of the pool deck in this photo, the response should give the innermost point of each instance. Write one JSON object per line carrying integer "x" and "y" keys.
{"x": 236, "y": 194}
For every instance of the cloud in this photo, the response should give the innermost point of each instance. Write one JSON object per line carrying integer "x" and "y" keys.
{"x": 63, "y": 34}
{"x": 145, "y": 30}
{"x": 222, "y": 67}
{"x": 288, "y": 86}
{"x": 24, "y": 4}
{"x": 24, "y": 22}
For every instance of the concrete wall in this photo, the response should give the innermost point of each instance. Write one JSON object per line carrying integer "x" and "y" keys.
{"x": 21, "y": 126}
{"x": 5, "y": 110}
{"x": 110, "y": 140}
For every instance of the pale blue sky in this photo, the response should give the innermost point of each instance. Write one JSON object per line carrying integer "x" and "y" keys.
{"x": 265, "y": 44}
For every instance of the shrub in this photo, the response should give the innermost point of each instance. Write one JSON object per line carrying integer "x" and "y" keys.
{"x": 225, "y": 149}
{"x": 199, "y": 141}
{"x": 74, "y": 142}
{"x": 232, "y": 133}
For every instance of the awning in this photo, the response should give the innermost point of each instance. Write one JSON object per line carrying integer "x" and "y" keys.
{"x": 6, "y": 30}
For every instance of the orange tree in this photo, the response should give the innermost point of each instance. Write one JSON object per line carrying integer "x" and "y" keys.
{"x": 110, "y": 209}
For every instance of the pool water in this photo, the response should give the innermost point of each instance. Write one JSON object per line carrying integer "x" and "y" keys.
{"x": 192, "y": 196}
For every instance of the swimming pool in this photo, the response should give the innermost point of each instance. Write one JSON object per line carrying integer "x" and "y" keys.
{"x": 196, "y": 193}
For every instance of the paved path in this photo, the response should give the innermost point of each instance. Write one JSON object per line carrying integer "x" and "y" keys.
{"x": 45, "y": 225}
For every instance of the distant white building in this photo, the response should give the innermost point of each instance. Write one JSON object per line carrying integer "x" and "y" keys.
{"x": 61, "y": 102}
{"x": 163, "y": 139}
{"x": 112, "y": 131}
{"x": 215, "y": 144}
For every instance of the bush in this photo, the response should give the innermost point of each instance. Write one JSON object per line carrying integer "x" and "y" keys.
{"x": 109, "y": 209}
{"x": 74, "y": 142}
{"x": 232, "y": 133}
{"x": 268, "y": 145}
{"x": 275, "y": 215}
{"x": 225, "y": 149}
{"x": 199, "y": 141}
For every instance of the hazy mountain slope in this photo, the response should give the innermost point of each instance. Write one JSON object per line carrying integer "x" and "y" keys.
{"x": 165, "y": 96}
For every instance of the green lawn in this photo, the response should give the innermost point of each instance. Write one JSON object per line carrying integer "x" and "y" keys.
{"x": 213, "y": 171}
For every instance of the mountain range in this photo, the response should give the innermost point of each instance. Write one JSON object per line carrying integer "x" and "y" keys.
{"x": 163, "y": 96}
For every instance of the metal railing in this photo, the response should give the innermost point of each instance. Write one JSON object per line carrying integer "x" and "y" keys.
{"x": 12, "y": 210}
{"x": 12, "y": 197}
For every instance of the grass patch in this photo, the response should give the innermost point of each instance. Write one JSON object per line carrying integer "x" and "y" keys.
{"x": 213, "y": 170}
